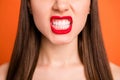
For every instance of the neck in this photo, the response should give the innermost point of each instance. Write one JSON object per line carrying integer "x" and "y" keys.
{"x": 59, "y": 55}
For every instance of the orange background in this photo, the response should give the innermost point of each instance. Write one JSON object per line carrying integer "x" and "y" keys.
{"x": 109, "y": 16}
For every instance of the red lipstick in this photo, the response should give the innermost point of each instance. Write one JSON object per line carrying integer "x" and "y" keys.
{"x": 61, "y": 25}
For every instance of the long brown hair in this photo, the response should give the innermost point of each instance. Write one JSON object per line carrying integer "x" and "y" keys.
{"x": 90, "y": 46}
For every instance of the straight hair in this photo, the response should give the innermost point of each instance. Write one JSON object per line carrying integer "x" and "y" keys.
{"x": 28, "y": 39}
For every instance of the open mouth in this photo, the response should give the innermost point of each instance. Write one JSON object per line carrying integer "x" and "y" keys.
{"x": 61, "y": 25}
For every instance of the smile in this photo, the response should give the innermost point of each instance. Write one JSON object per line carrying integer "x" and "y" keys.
{"x": 61, "y": 25}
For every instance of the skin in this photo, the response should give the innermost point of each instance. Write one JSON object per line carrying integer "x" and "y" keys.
{"x": 61, "y": 63}
{"x": 77, "y": 9}
{"x": 4, "y": 68}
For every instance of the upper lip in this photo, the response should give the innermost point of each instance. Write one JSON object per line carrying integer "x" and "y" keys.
{"x": 61, "y": 17}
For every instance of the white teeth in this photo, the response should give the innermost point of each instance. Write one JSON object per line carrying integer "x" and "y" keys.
{"x": 61, "y": 24}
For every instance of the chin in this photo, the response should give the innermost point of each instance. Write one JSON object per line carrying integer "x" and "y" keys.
{"x": 61, "y": 41}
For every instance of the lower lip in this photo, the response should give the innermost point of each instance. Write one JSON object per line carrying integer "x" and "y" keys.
{"x": 64, "y": 31}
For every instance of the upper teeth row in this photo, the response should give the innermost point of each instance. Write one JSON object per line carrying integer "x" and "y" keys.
{"x": 61, "y": 22}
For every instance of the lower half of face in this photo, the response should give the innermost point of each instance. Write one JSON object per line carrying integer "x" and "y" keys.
{"x": 57, "y": 28}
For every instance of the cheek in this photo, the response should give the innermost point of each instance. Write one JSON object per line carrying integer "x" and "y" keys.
{"x": 41, "y": 20}
{"x": 41, "y": 13}
{"x": 81, "y": 20}
{"x": 81, "y": 13}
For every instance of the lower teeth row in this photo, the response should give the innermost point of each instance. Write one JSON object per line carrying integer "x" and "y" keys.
{"x": 61, "y": 26}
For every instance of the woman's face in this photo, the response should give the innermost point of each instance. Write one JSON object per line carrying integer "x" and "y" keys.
{"x": 60, "y": 21}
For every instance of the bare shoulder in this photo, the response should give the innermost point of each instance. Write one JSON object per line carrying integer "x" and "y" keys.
{"x": 115, "y": 71}
{"x": 3, "y": 71}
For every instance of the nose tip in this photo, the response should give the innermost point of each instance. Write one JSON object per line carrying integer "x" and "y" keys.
{"x": 61, "y": 6}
